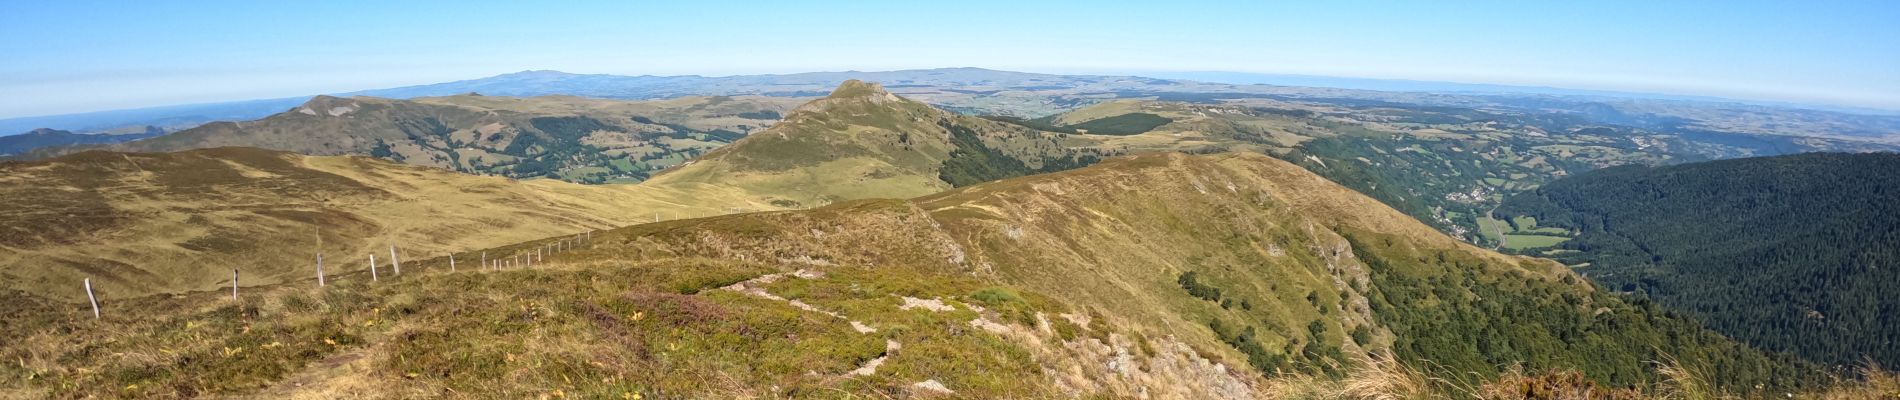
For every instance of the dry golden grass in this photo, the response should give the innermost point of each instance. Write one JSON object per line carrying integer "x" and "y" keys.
{"x": 1388, "y": 380}
{"x": 139, "y": 224}
{"x": 1873, "y": 383}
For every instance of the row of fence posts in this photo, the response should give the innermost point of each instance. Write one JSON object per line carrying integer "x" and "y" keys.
{"x": 395, "y": 263}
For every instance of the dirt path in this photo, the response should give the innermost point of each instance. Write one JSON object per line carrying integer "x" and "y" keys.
{"x": 755, "y": 287}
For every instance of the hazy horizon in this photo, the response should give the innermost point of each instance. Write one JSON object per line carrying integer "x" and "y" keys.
{"x": 81, "y": 57}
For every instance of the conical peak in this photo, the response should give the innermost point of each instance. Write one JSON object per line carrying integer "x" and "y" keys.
{"x": 857, "y": 88}
{"x": 852, "y": 93}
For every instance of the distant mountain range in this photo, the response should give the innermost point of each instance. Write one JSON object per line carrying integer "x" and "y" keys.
{"x": 44, "y": 137}
{"x": 170, "y": 117}
{"x": 1029, "y": 95}
{"x": 542, "y": 82}
{"x": 571, "y": 138}
{"x": 1408, "y": 85}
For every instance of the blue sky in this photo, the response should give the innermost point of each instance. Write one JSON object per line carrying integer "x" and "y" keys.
{"x": 74, "y": 56}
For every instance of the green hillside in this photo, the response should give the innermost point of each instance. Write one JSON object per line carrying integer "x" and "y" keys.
{"x": 1790, "y": 253}
{"x": 1446, "y": 165}
{"x": 864, "y": 142}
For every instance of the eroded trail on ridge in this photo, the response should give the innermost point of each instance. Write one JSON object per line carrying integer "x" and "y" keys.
{"x": 755, "y": 287}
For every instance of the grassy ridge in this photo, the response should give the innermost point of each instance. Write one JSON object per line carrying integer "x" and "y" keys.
{"x": 1043, "y": 286}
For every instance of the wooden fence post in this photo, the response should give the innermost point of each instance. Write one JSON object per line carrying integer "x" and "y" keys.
{"x": 372, "y": 268}
{"x": 234, "y": 283}
{"x": 320, "y": 282}
{"x": 93, "y": 300}
{"x": 485, "y": 260}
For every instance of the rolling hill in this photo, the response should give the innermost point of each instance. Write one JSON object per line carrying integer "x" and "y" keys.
{"x": 166, "y": 222}
{"x": 1161, "y": 275}
{"x": 1448, "y": 166}
{"x": 144, "y": 223}
{"x": 1790, "y": 253}
{"x": 568, "y": 138}
{"x": 861, "y": 141}
{"x": 38, "y": 138}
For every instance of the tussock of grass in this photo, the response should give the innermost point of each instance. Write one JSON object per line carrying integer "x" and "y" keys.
{"x": 1874, "y": 382}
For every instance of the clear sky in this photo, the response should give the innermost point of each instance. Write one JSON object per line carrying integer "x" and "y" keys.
{"x": 76, "y": 55}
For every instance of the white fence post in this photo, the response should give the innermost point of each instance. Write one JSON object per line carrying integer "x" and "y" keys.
{"x": 93, "y": 300}
{"x": 451, "y": 262}
{"x": 394, "y": 262}
{"x": 320, "y": 282}
{"x": 372, "y": 268}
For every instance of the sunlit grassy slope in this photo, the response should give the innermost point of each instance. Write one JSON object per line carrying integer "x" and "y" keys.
{"x": 1058, "y": 285}
{"x": 139, "y": 224}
